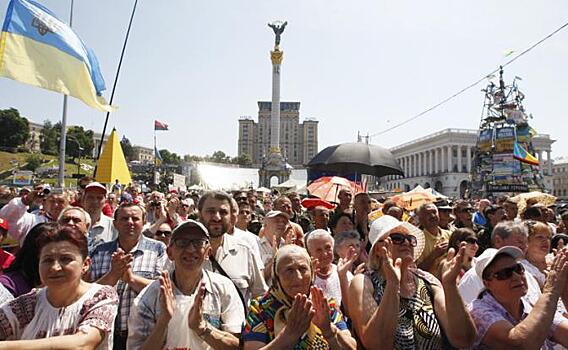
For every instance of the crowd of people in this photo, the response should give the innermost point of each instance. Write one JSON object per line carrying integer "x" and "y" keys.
{"x": 102, "y": 267}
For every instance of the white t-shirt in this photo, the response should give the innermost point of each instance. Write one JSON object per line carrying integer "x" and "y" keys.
{"x": 31, "y": 316}
{"x": 330, "y": 286}
{"x": 222, "y": 308}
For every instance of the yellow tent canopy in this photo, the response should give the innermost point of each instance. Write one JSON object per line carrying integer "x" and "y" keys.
{"x": 112, "y": 164}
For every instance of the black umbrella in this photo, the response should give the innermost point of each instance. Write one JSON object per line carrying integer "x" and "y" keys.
{"x": 361, "y": 158}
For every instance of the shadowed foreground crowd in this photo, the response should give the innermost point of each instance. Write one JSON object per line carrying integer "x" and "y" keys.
{"x": 118, "y": 269}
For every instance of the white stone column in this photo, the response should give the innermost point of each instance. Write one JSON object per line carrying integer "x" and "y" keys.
{"x": 276, "y": 57}
{"x": 430, "y": 162}
{"x": 540, "y": 162}
{"x": 449, "y": 154}
{"x": 459, "y": 158}
{"x": 549, "y": 160}
{"x": 420, "y": 163}
{"x": 468, "y": 154}
{"x": 437, "y": 160}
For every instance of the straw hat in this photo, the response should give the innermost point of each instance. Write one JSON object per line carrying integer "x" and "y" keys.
{"x": 385, "y": 225}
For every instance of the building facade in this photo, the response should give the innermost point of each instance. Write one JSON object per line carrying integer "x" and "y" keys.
{"x": 143, "y": 154}
{"x": 298, "y": 141}
{"x": 560, "y": 178}
{"x": 443, "y": 161}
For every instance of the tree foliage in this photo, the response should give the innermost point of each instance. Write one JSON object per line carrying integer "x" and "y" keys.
{"x": 14, "y": 129}
{"x": 79, "y": 142}
{"x": 49, "y": 138}
{"x": 127, "y": 149}
{"x": 169, "y": 157}
{"x": 34, "y": 161}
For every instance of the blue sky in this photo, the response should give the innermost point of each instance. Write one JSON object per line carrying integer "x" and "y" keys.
{"x": 361, "y": 65}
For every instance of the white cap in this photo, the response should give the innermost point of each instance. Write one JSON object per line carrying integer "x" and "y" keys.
{"x": 487, "y": 257}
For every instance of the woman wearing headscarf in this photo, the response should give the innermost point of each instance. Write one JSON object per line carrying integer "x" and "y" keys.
{"x": 394, "y": 305}
{"x": 293, "y": 313}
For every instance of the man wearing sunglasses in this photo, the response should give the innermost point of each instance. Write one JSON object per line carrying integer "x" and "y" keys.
{"x": 189, "y": 308}
{"x": 463, "y": 211}
{"x": 503, "y": 317}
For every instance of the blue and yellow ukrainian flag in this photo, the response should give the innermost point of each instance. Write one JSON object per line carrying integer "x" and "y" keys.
{"x": 38, "y": 49}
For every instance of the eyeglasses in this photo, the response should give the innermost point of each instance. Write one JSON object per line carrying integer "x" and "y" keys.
{"x": 164, "y": 233}
{"x": 194, "y": 243}
{"x": 506, "y": 273}
{"x": 471, "y": 240}
{"x": 399, "y": 238}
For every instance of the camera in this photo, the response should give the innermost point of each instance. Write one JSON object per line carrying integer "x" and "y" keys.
{"x": 155, "y": 204}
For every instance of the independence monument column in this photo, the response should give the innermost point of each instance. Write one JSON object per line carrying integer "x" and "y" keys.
{"x": 274, "y": 163}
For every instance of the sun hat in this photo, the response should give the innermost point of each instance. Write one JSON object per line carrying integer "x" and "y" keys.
{"x": 385, "y": 225}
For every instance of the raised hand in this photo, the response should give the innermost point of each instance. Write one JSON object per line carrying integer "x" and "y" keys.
{"x": 321, "y": 308}
{"x": 452, "y": 265}
{"x": 391, "y": 269}
{"x": 120, "y": 263}
{"x": 299, "y": 317}
{"x": 195, "y": 320}
{"x": 440, "y": 249}
{"x": 556, "y": 280}
{"x": 167, "y": 297}
{"x": 345, "y": 264}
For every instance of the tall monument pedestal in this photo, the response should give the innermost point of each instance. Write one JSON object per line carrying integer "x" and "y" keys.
{"x": 274, "y": 163}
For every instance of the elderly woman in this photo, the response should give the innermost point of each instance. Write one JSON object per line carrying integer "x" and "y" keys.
{"x": 397, "y": 306}
{"x": 341, "y": 222}
{"x": 294, "y": 314}
{"x": 540, "y": 235}
{"x": 67, "y": 313}
{"x": 506, "y": 320}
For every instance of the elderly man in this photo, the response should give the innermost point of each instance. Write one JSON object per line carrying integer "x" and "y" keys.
{"x": 345, "y": 196}
{"x": 21, "y": 222}
{"x": 190, "y": 308}
{"x": 463, "y": 211}
{"x": 102, "y": 229}
{"x": 320, "y": 217}
{"x": 436, "y": 244}
{"x": 230, "y": 256}
{"x": 77, "y": 218}
{"x": 129, "y": 263}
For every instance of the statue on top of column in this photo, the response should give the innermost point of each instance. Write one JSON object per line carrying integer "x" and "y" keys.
{"x": 278, "y": 28}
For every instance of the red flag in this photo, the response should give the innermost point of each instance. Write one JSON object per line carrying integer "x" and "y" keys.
{"x": 158, "y": 125}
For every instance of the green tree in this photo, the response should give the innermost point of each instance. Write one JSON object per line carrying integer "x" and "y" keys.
{"x": 49, "y": 138}
{"x": 127, "y": 148}
{"x": 192, "y": 158}
{"x": 34, "y": 161}
{"x": 170, "y": 157}
{"x": 77, "y": 139}
{"x": 14, "y": 129}
{"x": 219, "y": 157}
{"x": 243, "y": 159}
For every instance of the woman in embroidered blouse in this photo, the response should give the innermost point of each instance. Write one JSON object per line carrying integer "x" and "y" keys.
{"x": 67, "y": 313}
{"x": 394, "y": 305}
{"x": 294, "y": 314}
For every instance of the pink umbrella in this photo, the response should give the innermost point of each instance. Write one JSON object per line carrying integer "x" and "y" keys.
{"x": 328, "y": 187}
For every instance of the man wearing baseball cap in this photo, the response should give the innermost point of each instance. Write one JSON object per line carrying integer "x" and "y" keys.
{"x": 102, "y": 229}
{"x": 189, "y": 308}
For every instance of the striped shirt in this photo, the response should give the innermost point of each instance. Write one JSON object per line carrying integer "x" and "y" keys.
{"x": 149, "y": 257}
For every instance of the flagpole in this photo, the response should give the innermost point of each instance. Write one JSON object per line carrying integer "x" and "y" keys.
{"x": 114, "y": 85}
{"x": 63, "y": 138}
